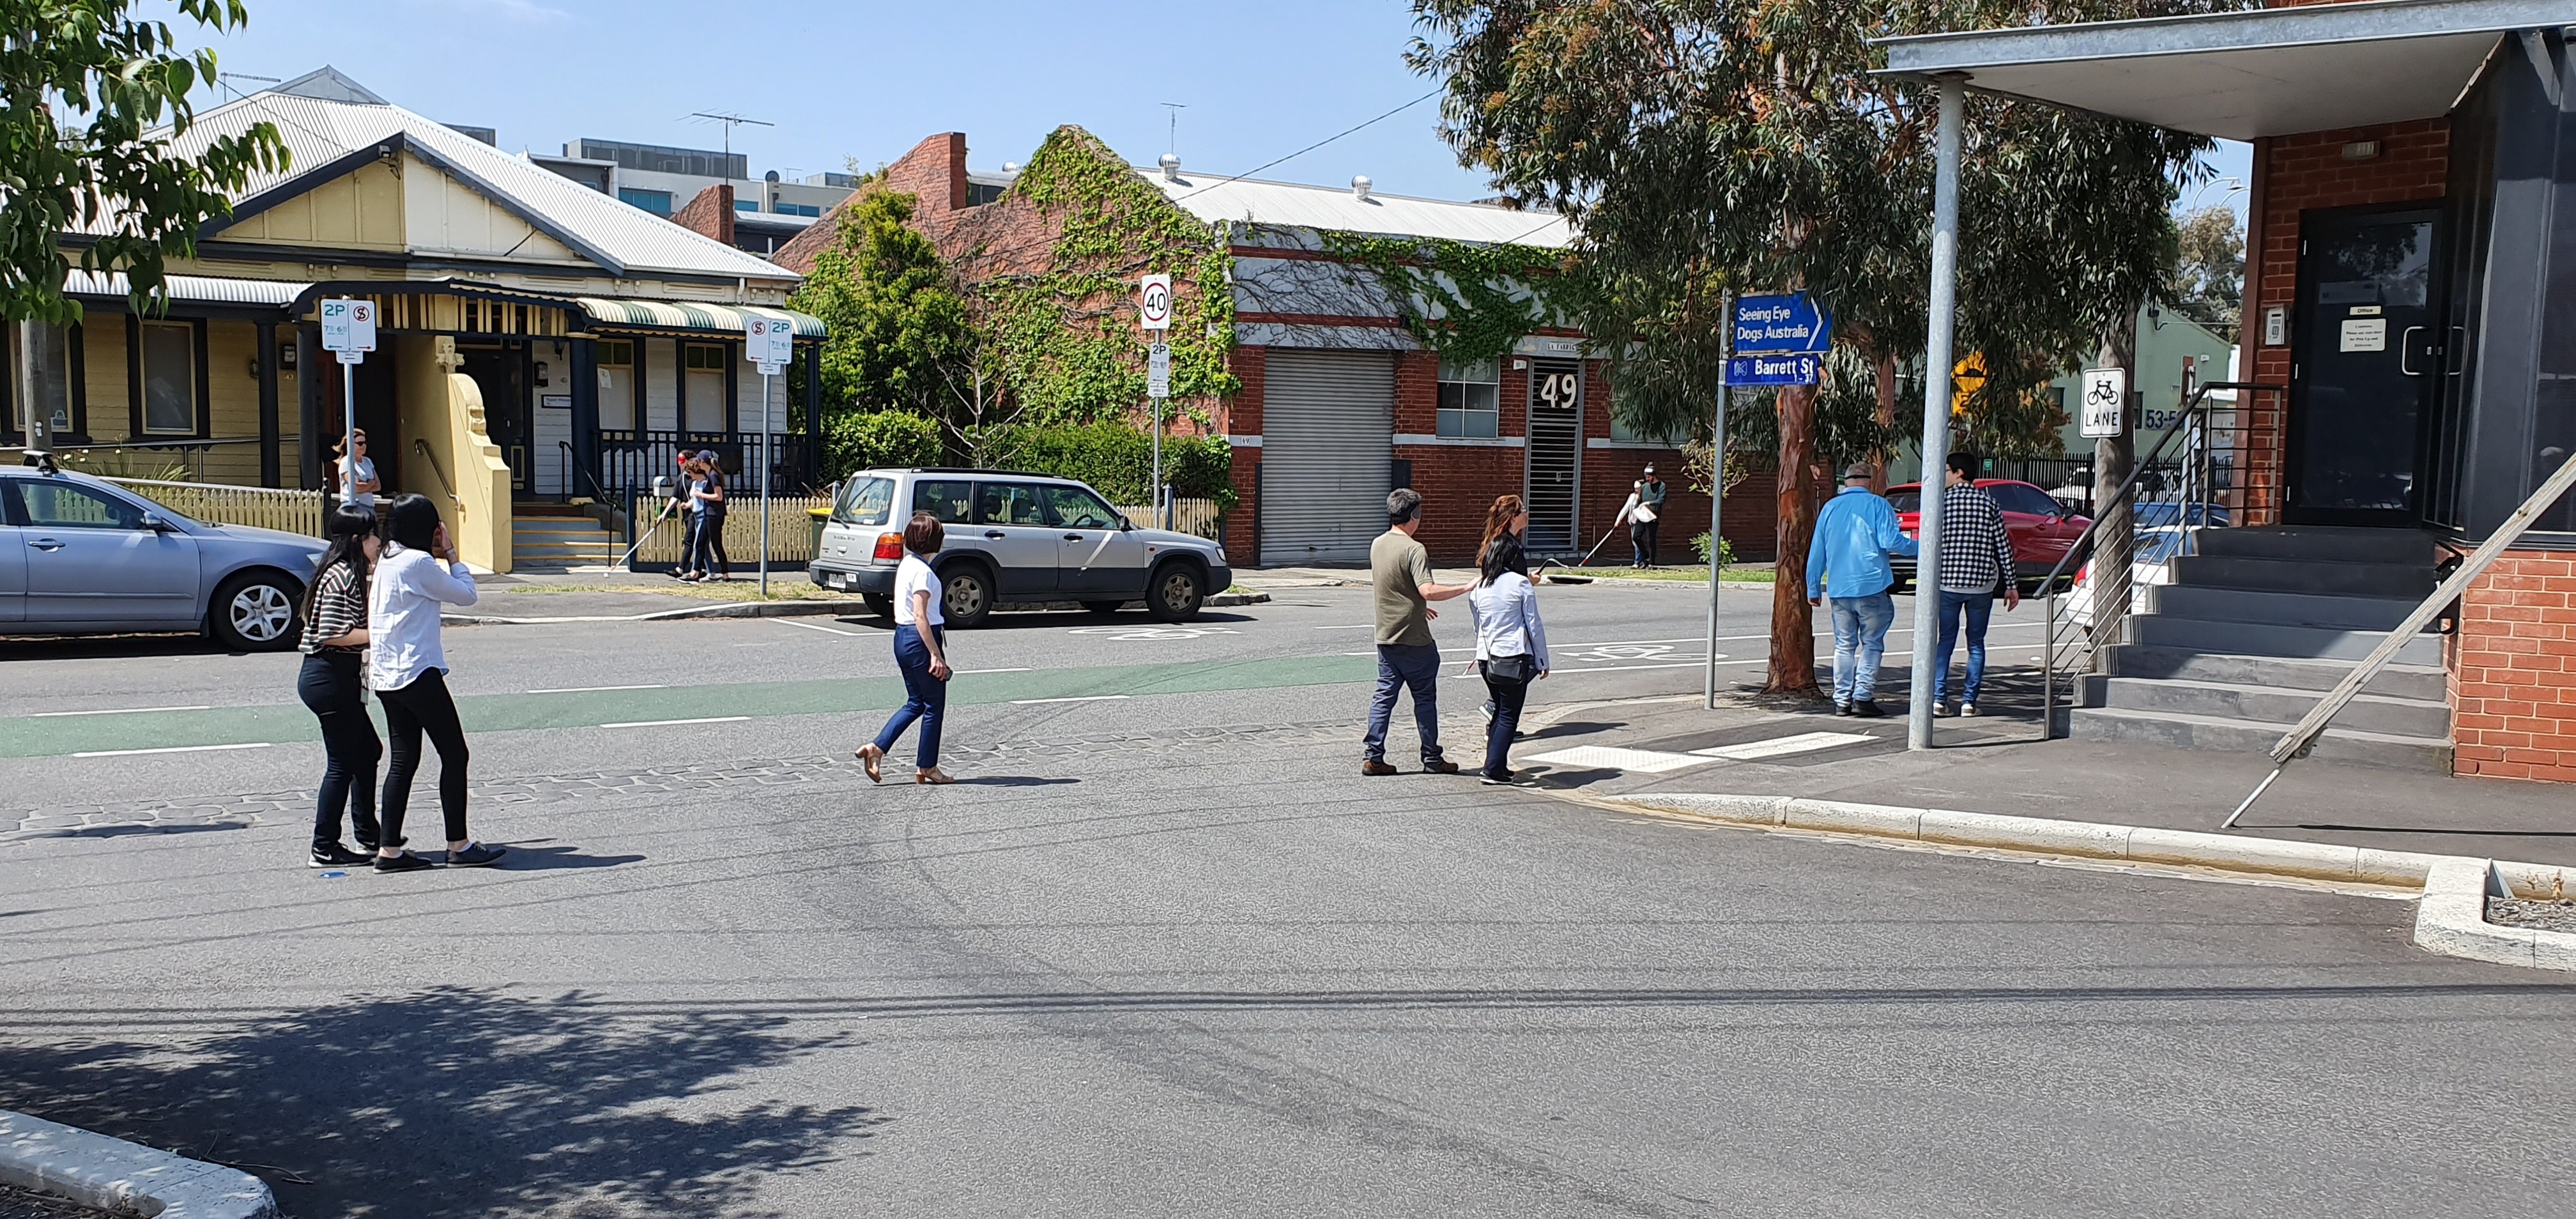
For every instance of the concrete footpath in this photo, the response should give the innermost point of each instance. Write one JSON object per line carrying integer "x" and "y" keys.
{"x": 1998, "y": 765}
{"x": 532, "y": 597}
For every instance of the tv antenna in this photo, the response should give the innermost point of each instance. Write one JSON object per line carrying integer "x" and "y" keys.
{"x": 1172, "y": 131}
{"x": 730, "y": 122}
{"x": 229, "y": 77}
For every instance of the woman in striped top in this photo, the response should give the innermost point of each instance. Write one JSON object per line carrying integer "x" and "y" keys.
{"x": 333, "y": 685}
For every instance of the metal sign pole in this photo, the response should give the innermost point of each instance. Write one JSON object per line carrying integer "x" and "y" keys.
{"x": 765, "y": 464}
{"x": 1937, "y": 359}
{"x": 348, "y": 429}
{"x": 1716, "y": 536}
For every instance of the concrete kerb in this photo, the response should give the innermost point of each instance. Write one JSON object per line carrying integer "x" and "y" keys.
{"x": 114, "y": 1175}
{"x": 2450, "y": 914}
{"x": 783, "y": 609}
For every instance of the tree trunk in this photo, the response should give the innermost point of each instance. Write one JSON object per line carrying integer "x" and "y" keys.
{"x": 1793, "y": 631}
{"x": 2113, "y": 458}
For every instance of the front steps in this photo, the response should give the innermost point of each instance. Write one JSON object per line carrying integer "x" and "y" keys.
{"x": 558, "y": 537}
{"x": 2256, "y": 628}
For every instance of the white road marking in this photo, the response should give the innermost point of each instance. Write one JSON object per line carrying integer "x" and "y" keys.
{"x": 592, "y": 689}
{"x": 1804, "y": 742}
{"x": 1356, "y": 626}
{"x": 712, "y": 719}
{"x": 127, "y": 753}
{"x": 964, "y": 671}
{"x": 1087, "y": 698}
{"x": 828, "y": 630}
{"x": 46, "y": 715}
{"x": 1650, "y": 761}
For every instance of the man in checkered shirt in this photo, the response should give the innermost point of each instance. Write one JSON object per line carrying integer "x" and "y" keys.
{"x": 1975, "y": 560}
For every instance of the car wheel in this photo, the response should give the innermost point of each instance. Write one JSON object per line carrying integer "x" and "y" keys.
{"x": 879, "y": 604}
{"x": 1175, "y": 593}
{"x": 253, "y": 612}
{"x": 969, "y": 597}
{"x": 1104, "y": 608}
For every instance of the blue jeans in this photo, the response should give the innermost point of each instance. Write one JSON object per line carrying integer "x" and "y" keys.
{"x": 928, "y": 696}
{"x": 1979, "y": 609}
{"x": 1860, "y": 640}
{"x": 1401, "y": 667}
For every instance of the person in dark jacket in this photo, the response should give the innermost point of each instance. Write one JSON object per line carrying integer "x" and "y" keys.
{"x": 1975, "y": 560}
{"x": 333, "y": 685}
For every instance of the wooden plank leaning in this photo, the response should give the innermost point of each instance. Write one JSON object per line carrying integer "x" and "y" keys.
{"x": 2299, "y": 740}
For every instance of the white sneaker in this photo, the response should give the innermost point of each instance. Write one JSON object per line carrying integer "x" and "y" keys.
{"x": 1967, "y": 708}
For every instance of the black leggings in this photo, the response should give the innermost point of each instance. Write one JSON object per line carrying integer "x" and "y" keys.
{"x": 424, "y": 707}
{"x": 330, "y": 686}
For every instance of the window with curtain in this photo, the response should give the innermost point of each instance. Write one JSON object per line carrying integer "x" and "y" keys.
{"x": 169, "y": 379}
{"x": 705, "y": 369}
{"x": 616, "y": 385}
{"x": 1470, "y": 398}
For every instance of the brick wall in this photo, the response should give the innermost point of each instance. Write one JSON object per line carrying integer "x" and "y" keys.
{"x": 1249, "y": 365}
{"x": 2513, "y": 680}
{"x": 2296, "y": 173}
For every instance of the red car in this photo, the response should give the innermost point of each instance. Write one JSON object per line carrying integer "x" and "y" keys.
{"x": 2042, "y": 529}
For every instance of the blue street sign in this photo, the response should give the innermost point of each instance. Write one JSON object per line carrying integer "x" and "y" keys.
{"x": 1788, "y": 322}
{"x": 1792, "y": 369}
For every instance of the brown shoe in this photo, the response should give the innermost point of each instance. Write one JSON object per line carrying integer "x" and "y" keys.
{"x": 870, "y": 756}
{"x": 1442, "y": 767}
{"x": 1373, "y": 767}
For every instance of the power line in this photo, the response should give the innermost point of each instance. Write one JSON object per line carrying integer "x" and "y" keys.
{"x": 1317, "y": 144}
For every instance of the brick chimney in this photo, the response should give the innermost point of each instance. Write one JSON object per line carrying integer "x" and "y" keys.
{"x": 711, "y": 213}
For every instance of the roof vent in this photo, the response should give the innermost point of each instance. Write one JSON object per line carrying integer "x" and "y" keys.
{"x": 1010, "y": 167}
{"x": 1360, "y": 186}
{"x": 1171, "y": 163}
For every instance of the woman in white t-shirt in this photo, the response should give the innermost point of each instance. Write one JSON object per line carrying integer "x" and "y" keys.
{"x": 918, "y": 636}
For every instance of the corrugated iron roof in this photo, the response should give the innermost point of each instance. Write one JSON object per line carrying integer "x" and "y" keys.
{"x": 692, "y": 315}
{"x": 319, "y": 132}
{"x": 204, "y": 289}
{"x": 1338, "y": 209}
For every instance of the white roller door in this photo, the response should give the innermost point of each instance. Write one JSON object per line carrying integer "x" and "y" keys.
{"x": 1327, "y": 423}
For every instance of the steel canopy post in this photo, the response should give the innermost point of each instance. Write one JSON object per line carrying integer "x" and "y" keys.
{"x": 1937, "y": 363}
{"x": 1716, "y": 534}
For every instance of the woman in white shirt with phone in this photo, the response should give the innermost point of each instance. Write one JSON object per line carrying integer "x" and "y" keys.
{"x": 1511, "y": 646}
{"x": 407, "y": 668}
{"x": 919, "y": 651}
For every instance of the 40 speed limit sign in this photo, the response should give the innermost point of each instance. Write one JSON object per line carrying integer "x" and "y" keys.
{"x": 1154, "y": 302}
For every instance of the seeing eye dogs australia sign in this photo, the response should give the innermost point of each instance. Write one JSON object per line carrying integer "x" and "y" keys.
{"x": 1782, "y": 323}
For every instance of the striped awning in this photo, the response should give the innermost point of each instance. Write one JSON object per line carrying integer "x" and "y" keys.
{"x": 691, "y": 317}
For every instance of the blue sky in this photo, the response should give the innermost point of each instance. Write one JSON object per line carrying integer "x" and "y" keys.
{"x": 869, "y": 80}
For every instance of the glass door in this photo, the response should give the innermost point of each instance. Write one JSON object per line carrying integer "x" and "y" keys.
{"x": 2366, "y": 364}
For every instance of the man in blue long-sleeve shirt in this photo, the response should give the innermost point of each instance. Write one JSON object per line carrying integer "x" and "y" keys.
{"x": 1854, "y": 535}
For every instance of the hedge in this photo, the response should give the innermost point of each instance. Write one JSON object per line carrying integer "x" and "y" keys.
{"x": 1117, "y": 460}
{"x": 863, "y": 440}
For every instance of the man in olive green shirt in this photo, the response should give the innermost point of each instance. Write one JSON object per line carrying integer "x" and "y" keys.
{"x": 1400, "y": 575}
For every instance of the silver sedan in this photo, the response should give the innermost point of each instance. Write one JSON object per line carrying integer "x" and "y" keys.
{"x": 80, "y": 555}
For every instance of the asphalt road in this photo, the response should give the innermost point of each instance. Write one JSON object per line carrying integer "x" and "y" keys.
{"x": 1168, "y": 953}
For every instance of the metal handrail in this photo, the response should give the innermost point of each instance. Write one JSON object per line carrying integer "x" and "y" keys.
{"x": 2199, "y": 470}
{"x": 422, "y": 447}
{"x": 569, "y": 466}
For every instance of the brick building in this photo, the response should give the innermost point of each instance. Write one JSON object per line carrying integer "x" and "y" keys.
{"x": 1338, "y": 403}
{"x": 2410, "y": 209}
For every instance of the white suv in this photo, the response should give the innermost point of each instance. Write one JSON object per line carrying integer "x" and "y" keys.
{"x": 1012, "y": 537}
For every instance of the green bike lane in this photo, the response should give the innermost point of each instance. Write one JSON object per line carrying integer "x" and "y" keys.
{"x": 286, "y": 722}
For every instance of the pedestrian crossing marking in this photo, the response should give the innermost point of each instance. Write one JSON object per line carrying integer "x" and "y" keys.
{"x": 1646, "y": 760}
{"x": 1804, "y": 742}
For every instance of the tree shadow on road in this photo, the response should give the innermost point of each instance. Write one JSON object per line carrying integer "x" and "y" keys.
{"x": 460, "y": 1101}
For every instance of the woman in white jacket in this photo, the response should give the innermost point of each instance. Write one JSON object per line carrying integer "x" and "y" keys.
{"x": 1511, "y": 647}
{"x": 407, "y": 668}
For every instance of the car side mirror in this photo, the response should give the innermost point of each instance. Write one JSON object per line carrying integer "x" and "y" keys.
{"x": 156, "y": 522}
{"x": 1125, "y": 525}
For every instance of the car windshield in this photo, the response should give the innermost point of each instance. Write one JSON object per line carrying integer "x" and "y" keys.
{"x": 865, "y": 501}
{"x": 1906, "y": 499}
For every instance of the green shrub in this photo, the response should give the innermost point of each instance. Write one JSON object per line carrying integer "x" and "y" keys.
{"x": 1115, "y": 459}
{"x": 1699, "y": 545}
{"x": 861, "y": 440}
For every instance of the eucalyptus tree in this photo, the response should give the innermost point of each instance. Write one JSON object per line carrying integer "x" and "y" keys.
{"x": 1709, "y": 147}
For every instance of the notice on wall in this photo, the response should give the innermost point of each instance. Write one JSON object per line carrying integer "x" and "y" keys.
{"x": 2364, "y": 334}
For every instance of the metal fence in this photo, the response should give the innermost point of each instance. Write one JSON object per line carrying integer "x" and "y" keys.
{"x": 260, "y": 507}
{"x": 791, "y": 532}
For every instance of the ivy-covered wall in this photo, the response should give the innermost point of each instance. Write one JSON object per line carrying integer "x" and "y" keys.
{"x": 1057, "y": 297}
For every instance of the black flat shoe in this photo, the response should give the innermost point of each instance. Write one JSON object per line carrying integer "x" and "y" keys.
{"x": 476, "y": 855}
{"x": 405, "y": 862}
{"x": 337, "y": 856}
